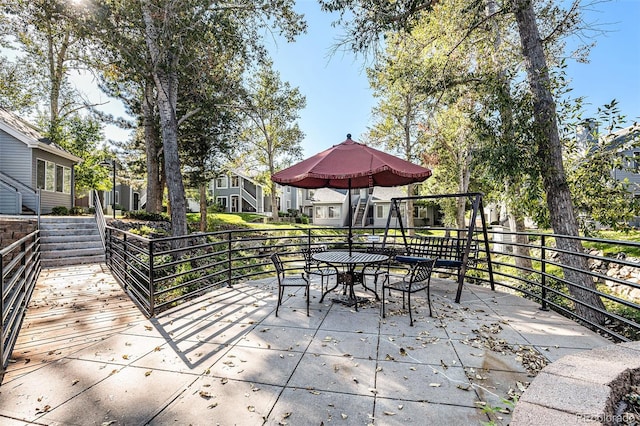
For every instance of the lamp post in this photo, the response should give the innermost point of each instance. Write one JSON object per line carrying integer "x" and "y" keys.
{"x": 112, "y": 164}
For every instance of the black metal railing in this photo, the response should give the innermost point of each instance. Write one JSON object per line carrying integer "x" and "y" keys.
{"x": 19, "y": 271}
{"x": 100, "y": 219}
{"x": 160, "y": 273}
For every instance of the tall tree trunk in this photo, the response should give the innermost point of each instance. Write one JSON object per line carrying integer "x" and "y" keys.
{"x": 550, "y": 155}
{"x": 165, "y": 76}
{"x": 203, "y": 207}
{"x": 154, "y": 183}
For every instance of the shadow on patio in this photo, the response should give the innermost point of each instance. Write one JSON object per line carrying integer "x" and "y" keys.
{"x": 87, "y": 355}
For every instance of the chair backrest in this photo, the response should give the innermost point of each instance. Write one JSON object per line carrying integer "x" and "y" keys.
{"x": 308, "y": 252}
{"x": 277, "y": 263}
{"x": 421, "y": 272}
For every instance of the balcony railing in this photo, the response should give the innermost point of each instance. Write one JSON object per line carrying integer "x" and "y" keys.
{"x": 19, "y": 271}
{"x": 160, "y": 273}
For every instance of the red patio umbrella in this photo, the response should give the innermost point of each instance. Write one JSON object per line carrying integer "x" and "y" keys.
{"x": 350, "y": 165}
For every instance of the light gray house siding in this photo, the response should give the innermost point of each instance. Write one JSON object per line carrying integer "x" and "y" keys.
{"x": 15, "y": 159}
{"x": 61, "y": 194}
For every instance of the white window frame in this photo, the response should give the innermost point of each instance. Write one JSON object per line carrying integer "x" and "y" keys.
{"x": 222, "y": 182}
{"x": 235, "y": 181}
{"x": 224, "y": 203}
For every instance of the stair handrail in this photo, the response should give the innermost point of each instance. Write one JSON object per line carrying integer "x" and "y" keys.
{"x": 100, "y": 219}
{"x": 21, "y": 188}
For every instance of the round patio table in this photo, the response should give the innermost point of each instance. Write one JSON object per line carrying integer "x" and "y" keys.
{"x": 348, "y": 262}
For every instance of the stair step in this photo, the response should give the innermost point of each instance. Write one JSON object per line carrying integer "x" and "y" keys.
{"x": 71, "y": 245}
{"x": 49, "y": 263}
{"x": 61, "y": 254}
{"x": 84, "y": 238}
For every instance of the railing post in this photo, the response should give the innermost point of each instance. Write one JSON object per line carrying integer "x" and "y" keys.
{"x": 152, "y": 296}
{"x": 124, "y": 260}
{"x": 229, "y": 272}
{"x": 2, "y": 325}
{"x": 107, "y": 241}
{"x": 543, "y": 270}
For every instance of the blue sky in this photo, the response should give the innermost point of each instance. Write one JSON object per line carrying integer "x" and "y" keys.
{"x": 339, "y": 100}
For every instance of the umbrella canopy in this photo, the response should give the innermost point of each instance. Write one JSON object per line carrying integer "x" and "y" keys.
{"x": 350, "y": 165}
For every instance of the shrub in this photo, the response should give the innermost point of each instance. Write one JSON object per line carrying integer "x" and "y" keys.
{"x": 59, "y": 211}
{"x": 144, "y": 215}
{"x": 76, "y": 210}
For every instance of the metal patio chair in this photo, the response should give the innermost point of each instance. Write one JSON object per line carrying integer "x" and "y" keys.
{"x": 285, "y": 281}
{"x": 417, "y": 278}
{"x": 313, "y": 267}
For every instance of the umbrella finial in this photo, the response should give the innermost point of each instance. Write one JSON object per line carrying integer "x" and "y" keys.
{"x": 348, "y": 135}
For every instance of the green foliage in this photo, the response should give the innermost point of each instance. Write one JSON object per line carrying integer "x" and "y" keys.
{"x": 60, "y": 211}
{"x": 143, "y": 215}
{"x": 593, "y": 167}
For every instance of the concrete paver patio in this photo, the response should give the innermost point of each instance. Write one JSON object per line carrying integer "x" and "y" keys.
{"x": 86, "y": 355}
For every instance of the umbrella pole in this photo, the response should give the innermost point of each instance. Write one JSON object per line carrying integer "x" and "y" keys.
{"x": 350, "y": 218}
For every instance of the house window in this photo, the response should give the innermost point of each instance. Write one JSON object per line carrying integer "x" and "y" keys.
{"x": 288, "y": 190}
{"x": 46, "y": 175}
{"x": 310, "y": 193}
{"x": 288, "y": 204}
{"x": 221, "y": 182}
{"x": 379, "y": 212}
{"x": 40, "y": 174}
{"x": 334, "y": 213}
{"x": 319, "y": 213}
{"x": 636, "y": 162}
{"x": 63, "y": 179}
{"x": 117, "y": 197}
{"x": 222, "y": 202}
{"x": 235, "y": 181}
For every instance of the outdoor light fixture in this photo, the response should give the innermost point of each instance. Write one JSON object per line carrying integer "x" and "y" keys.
{"x": 112, "y": 163}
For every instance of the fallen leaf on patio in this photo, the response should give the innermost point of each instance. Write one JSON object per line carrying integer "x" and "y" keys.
{"x": 389, "y": 413}
{"x": 521, "y": 387}
{"x": 359, "y": 331}
{"x": 403, "y": 352}
{"x": 264, "y": 330}
{"x": 286, "y": 415}
{"x": 328, "y": 339}
{"x": 344, "y": 416}
{"x": 481, "y": 403}
{"x": 347, "y": 354}
{"x": 148, "y": 327}
{"x": 157, "y": 349}
{"x": 224, "y": 380}
{"x": 445, "y": 366}
{"x": 314, "y": 392}
{"x": 412, "y": 368}
{"x": 435, "y": 385}
{"x": 205, "y": 395}
{"x": 251, "y": 408}
{"x": 44, "y": 409}
{"x": 391, "y": 339}
{"x": 373, "y": 390}
{"x": 378, "y": 369}
{"x": 108, "y": 423}
{"x": 389, "y": 358}
{"x": 207, "y": 371}
{"x": 214, "y": 405}
{"x": 400, "y": 407}
{"x": 463, "y": 387}
{"x": 355, "y": 379}
{"x": 147, "y": 373}
{"x": 74, "y": 382}
{"x": 281, "y": 356}
{"x": 125, "y": 356}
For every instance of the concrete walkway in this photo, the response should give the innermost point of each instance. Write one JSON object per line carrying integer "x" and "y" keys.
{"x": 87, "y": 356}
